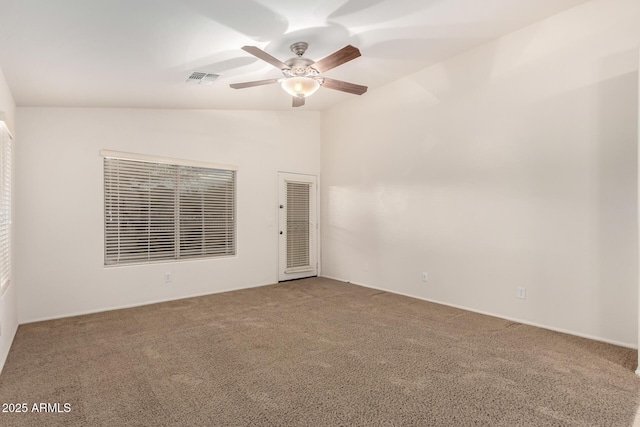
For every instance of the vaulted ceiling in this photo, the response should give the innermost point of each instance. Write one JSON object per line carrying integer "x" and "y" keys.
{"x": 139, "y": 53}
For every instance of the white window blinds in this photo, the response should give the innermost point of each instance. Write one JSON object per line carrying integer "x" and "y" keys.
{"x": 161, "y": 211}
{"x": 5, "y": 207}
{"x": 298, "y": 224}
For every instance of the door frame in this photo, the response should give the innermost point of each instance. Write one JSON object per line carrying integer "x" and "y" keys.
{"x": 303, "y": 177}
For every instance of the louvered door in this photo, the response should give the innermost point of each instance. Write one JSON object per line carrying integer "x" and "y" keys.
{"x": 297, "y": 226}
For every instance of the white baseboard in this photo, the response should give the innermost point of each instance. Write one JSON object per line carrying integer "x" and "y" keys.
{"x": 140, "y": 304}
{"x": 512, "y": 319}
{"x": 524, "y": 322}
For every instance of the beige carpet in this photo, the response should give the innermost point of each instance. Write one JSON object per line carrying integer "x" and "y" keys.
{"x": 314, "y": 352}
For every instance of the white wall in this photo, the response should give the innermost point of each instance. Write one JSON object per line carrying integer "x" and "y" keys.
{"x": 638, "y": 206}
{"x": 59, "y": 225}
{"x": 8, "y": 300}
{"x": 512, "y": 165}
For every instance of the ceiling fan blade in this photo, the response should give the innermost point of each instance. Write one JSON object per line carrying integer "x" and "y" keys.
{"x": 261, "y": 54}
{"x": 339, "y": 57}
{"x": 343, "y": 86}
{"x": 252, "y": 84}
{"x": 298, "y": 101}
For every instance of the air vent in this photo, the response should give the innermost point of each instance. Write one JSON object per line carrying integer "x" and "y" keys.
{"x": 198, "y": 78}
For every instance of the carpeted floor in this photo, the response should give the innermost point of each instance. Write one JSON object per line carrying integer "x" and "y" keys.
{"x": 314, "y": 352}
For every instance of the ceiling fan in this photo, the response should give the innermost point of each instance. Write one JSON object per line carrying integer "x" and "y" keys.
{"x": 302, "y": 75}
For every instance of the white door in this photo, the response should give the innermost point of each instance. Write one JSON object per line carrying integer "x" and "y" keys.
{"x": 298, "y": 228}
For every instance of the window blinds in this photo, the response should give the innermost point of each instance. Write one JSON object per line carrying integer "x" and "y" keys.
{"x": 298, "y": 224}
{"x": 5, "y": 207}
{"x": 160, "y": 211}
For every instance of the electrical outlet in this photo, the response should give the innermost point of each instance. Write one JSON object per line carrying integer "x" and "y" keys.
{"x": 521, "y": 293}
{"x": 365, "y": 266}
{"x": 425, "y": 276}
{"x": 167, "y": 277}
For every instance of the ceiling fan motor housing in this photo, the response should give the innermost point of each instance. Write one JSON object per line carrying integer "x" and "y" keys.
{"x": 299, "y": 67}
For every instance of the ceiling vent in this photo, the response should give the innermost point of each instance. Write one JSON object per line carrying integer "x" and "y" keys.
{"x": 198, "y": 78}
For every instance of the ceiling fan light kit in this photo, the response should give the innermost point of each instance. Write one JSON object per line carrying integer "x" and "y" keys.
{"x": 300, "y": 86}
{"x": 302, "y": 75}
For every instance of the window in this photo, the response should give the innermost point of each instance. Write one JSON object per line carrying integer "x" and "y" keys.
{"x": 5, "y": 206}
{"x": 167, "y": 210}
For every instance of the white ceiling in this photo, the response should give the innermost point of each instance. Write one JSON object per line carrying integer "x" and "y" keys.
{"x": 138, "y": 53}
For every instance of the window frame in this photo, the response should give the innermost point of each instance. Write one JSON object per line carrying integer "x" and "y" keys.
{"x": 181, "y": 168}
